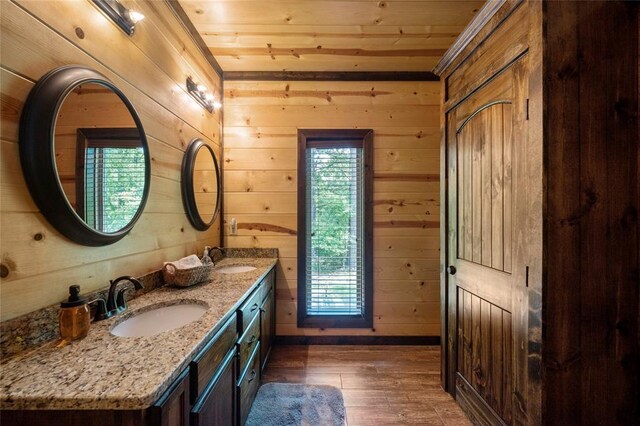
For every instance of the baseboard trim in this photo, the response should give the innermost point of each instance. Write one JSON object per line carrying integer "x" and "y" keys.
{"x": 358, "y": 340}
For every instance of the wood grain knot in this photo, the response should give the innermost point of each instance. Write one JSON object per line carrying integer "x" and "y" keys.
{"x": 38, "y": 237}
{"x": 4, "y": 271}
{"x": 80, "y": 33}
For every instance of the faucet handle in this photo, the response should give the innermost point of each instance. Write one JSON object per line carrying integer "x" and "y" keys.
{"x": 121, "y": 301}
{"x": 101, "y": 309}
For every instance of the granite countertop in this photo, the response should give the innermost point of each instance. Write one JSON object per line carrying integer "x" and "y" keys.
{"x": 102, "y": 371}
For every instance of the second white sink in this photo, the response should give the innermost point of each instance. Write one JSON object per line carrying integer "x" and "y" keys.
{"x": 236, "y": 269}
{"x": 156, "y": 321}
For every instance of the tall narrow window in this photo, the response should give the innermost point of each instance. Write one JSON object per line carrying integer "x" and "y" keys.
{"x": 335, "y": 228}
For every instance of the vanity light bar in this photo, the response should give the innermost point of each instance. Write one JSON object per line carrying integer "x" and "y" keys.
{"x": 123, "y": 17}
{"x": 202, "y": 95}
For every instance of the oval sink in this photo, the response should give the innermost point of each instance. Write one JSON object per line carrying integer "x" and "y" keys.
{"x": 158, "y": 320}
{"x": 236, "y": 269}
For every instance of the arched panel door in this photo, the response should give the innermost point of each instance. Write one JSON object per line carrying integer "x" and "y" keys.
{"x": 485, "y": 143}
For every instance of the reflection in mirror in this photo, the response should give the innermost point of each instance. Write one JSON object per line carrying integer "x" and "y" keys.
{"x": 200, "y": 185}
{"x": 100, "y": 159}
{"x": 205, "y": 184}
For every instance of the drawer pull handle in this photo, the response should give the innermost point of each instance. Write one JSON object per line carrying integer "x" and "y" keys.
{"x": 254, "y": 307}
{"x": 250, "y": 342}
{"x": 253, "y": 376}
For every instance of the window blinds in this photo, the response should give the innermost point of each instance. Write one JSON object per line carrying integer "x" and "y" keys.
{"x": 335, "y": 231}
{"x": 114, "y": 184}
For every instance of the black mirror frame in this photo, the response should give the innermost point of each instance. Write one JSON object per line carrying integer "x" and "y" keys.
{"x": 37, "y": 153}
{"x": 188, "y": 193}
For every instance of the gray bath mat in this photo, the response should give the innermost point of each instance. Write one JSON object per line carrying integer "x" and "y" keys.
{"x": 289, "y": 404}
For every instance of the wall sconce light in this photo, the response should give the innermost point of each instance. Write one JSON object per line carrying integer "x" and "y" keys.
{"x": 202, "y": 95}
{"x": 123, "y": 17}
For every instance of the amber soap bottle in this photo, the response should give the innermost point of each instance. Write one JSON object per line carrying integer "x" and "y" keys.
{"x": 74, "y": 316}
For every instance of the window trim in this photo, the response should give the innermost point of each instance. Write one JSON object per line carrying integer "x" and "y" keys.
{"x": 99, "y": 137}
{"x": 322, "y": 138}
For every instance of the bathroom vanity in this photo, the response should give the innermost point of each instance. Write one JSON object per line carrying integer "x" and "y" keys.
{"x": 206, "y": 372}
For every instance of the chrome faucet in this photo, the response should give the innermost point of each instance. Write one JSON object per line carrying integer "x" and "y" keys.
{"x": 114, "y": 304}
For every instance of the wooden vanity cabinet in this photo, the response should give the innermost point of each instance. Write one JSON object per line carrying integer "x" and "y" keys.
{"x": 217, "y": 388}
{"x": 225, "y": 375}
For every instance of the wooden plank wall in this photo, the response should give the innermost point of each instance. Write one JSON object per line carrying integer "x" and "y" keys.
{"x": 91, "y": 106}
{"x": 260, "y": 129}
{"x": 150, "y": 67}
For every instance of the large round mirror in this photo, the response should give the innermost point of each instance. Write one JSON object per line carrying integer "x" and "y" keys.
{"x": 85, "y": 155}
{"x": 200, "y": 185}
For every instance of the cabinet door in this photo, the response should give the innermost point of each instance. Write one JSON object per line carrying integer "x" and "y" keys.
{"x": 267, "y": 325}
{"x": 248, "y": 386}
{"x": 217, "y": 404}
{"x": 172, "y": 409}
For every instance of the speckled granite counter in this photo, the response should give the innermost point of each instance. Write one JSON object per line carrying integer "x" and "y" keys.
{"x": 107, "y": 372}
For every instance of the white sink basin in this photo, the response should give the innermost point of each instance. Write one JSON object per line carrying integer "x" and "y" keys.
{"x": 235, "y": 269}
{"x": 158, "y": 320}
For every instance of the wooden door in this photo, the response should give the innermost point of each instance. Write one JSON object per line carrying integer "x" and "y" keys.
{"x": 485, "y": 152}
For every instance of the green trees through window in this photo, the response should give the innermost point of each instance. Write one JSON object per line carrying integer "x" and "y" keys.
{"x": 113, "y": 188}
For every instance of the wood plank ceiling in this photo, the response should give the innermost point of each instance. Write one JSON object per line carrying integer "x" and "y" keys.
{"x": 329, "y": 35}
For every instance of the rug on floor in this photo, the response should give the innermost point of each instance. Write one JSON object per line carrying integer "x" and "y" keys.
{"x": 289, "y": 404}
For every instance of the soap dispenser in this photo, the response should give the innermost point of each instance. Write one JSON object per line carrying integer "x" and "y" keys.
{"x": 74, "y": 316}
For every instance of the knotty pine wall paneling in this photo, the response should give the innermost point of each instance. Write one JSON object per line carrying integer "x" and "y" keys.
{"x": 150, "y": 67}
{"x": 260, "y": 189}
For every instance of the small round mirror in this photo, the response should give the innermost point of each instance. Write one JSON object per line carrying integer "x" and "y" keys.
{"x": 200, "y": 185}
{"x": 84, "y": 155}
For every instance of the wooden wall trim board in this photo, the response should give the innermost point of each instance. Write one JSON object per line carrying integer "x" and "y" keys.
{"x": 150, "y": 67}
{"x": 261, "y": 185}
{"x": 330, "y": 76}
{"x": 191, "y": 30}
{"x": 358, "y": 340}
{"x": 477, "y": 24}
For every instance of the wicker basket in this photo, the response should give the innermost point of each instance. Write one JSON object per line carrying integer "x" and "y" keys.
{"x": 186, "y": 277}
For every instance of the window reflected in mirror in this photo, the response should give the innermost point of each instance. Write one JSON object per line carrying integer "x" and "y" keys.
{"x": 99, "y": 157}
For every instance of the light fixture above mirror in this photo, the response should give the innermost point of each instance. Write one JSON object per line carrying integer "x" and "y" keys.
{"x": 202, "y": 95}
{"x": 123, "y": 17}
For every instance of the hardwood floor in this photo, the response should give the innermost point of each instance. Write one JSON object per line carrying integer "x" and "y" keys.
{"x": 381, "y": 385}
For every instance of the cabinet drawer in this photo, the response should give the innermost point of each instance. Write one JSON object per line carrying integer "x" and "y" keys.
{"x": 217, "y": 404}
{"x": 248, "y": 310}
{"x": 248, "y": 342}
{"x": 267, "y": 285}
{"x": 248, "y": 385}
{"x": 207, "y": 362}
